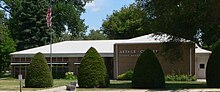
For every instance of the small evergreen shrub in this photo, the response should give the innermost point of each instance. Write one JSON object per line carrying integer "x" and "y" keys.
{"x": 148, "y": 72}
{"x": 92, "y": 72}
{"x": 38, "y": 73}
{"x": 213, "y": 69}
{"x": 6, "y": 75}
{"x": 70, "y": 76}
{"x": 126, "y": 76}
{"x": 180, "y": 77}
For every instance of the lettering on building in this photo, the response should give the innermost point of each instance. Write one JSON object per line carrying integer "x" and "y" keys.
{"x": 132, "y": 53}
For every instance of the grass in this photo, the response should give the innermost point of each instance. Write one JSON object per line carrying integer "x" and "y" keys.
{"x": 185, "y": 84}
{"x": 13, "y": 84}
{"x": 10, "y": 84}
{"x": 114, "y": 85}
{"x": 170, "y": 85}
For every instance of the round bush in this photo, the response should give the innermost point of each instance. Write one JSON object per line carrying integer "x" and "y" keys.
{"x": 148, "y": 72}
{"x": 38, "y": 73}
{"x": 213, "y": 69}
{"x": 92, "y": 71}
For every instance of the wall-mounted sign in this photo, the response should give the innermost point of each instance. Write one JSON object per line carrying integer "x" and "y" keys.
{"x": 132, "y": 53}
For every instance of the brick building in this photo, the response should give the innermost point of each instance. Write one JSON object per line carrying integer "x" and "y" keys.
{"x": 119, "y": 56}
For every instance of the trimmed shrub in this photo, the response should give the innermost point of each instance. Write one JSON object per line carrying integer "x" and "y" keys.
{"x": 148, "y": 72}
{"x": 180, "y": 77}
{"x": 126, "y": 76}
{"x": 38, "y": 73}
{"x": 213, "y": 69}
{"x": 92, "y": 72}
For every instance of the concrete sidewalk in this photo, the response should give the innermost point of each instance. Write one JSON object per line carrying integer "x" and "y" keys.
{"x": 57, "y": 89}
{"x": 63, "y": 89}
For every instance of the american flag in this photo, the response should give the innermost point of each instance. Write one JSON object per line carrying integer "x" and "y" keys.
{"x": 49, "y": 17}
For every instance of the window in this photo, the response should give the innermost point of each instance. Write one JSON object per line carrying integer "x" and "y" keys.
{"x": 59, "y": 59}
{"x": 79, "y": 59}
{"x": 48, "y": 59}
{"x": 202, "y": 66}
{"x": 65, "y": 59}
{"x": 54, "y": 59}
{"x": 16, "y": 59}
{"x": 22, "y": 59}
{"x": 28, "y": 59}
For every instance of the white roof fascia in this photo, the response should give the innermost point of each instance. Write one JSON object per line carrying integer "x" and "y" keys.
{"x": 63, "y": 55}
{"x": 29, "y": 63}
{"x": 201, "y": 51}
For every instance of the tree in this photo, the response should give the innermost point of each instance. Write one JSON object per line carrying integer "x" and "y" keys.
{"x": 66, "y": 19}
{"x": 38, "y": 73}
{"x": 212, "y": 70}
{"x": 126, "y": 23}
{"x": 195, "y": 20}
{"x": 28, "y": 24}
{"x": 7, "y": 45}
{"x": 96, "y": 35}
{"x": 148, "y": 72}
{"x": 92, "y": 71}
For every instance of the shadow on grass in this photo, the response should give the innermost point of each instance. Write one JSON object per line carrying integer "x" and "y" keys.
{"x": 114, "y": 85}
{"x": 121, "y": 86}
{"x": 185, "y": 85}
{"x": 182, "y": 85}
{"x": 170, "y": 85}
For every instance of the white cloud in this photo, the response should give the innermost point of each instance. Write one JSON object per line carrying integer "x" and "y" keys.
{"x": 95, "y": 5}
{"x": 92, "y": 6}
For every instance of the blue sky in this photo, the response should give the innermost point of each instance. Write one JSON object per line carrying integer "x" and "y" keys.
{"x": 98, "y": 10}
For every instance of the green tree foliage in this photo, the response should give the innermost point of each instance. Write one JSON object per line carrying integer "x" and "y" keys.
{"x": 92, "y": 71}
{"x": 1, "y": 17}
{"x": 66, "y": 19}
{"x": 126, "y": 23}
{"x": 148, "y": 72}
{"x": 28, "y": 21}
{"x": 38, "y": 73}
{"x": 7, "y": 45}
{"x": 96, "y": 35}
{"x": 212, "y": 69}
{"x": 195, "y": 20}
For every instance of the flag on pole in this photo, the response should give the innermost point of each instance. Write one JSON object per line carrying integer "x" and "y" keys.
{"x": 49, "y": 17}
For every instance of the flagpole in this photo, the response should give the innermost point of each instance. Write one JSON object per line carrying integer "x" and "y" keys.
{"x": 51, "y": 50}
{"x": 51, "y": 40}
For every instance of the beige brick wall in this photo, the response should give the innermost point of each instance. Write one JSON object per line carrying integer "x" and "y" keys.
{"x": 127, "y": 55}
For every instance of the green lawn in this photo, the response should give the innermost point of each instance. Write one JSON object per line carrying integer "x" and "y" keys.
{"x": 170, "y": 85}
{"x": 114, "y": 85}
{"x": 13, "y": 84}
{"x": 184, "y": 84}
